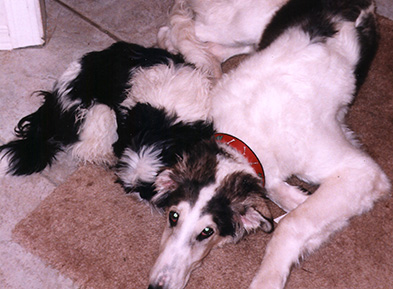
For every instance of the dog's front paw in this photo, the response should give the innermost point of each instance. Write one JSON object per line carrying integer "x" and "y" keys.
{"x": 272, "y": 274}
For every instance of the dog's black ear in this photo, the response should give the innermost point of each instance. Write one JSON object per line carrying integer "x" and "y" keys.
{"x": 164, "y": 186}
{"x": 252, "y": 214}
{"x": 248, "y": 204}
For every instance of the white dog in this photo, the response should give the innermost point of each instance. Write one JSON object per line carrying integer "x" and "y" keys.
{"x": 288, "y": 103}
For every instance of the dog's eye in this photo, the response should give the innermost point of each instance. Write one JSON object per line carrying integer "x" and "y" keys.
{"x": 206, "y": 233}
{"x": 173, "y": 218}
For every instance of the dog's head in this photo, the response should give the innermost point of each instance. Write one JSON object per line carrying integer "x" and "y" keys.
{"x": 211, "y": 196}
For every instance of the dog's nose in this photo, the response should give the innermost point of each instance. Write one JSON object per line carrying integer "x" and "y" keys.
{"x": 155, "y": 287}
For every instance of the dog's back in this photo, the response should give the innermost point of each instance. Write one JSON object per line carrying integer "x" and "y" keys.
{"x": 288, "y": 102}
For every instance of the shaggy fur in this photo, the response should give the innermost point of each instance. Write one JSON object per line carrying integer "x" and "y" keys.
{"x": 102, "y": 111}
{"x": 288, "y": 102}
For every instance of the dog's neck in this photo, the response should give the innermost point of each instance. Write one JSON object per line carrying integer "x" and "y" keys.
{"x": 245, "y": 150}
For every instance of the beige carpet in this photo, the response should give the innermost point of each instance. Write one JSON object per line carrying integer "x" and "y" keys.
{"x": 90, "y": 231}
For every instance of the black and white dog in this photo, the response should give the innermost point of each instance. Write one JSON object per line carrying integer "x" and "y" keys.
{"x": 155, "y": 117}
{"x": 91, "y": 111}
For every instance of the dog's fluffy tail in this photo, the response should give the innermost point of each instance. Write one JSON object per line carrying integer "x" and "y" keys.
{"x": 38, "y": 139}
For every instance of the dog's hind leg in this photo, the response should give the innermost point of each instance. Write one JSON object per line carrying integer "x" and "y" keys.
{"x": 179, "y": 36}
{"x": 357, "y": 182}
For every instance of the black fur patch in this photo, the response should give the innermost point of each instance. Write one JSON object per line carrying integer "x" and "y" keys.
{"x": 220, "y": 208}
{"x": 105, "y": 74}
{"x": 145, "y": 125}
{"x": 314, "y": 17}
{"x": 240, "y": 185}
{"x": 368, "y": 38}
{"x": 144, "y": 189}
{"x": 195, "y": 170}
{"x": 229, "y": 201}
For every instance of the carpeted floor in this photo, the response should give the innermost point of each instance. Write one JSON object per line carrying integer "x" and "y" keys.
{"x": 91, "y": 232}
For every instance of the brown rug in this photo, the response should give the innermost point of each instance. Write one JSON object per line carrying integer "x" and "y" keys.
{"x": 90, "y": 231}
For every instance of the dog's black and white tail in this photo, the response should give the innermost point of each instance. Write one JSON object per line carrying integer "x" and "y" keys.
{"x": 99, "y": 79}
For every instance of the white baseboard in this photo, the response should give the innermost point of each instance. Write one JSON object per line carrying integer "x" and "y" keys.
{"x": 5, "y": 39}
{"x": 21, "y": 23}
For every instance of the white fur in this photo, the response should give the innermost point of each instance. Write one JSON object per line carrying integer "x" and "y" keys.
{"x": 296, "y": 88}
{"x": 180, "y": 251}
{"x": 288, "y": 103}
{"x": 209, "y": 32}
{"x": 4, "y": 164}
{"x": 141, "y": 167}
{"x": 294, "y": 96}
{"x": 62, "y": 85}
{"x": 163, "y": 86}
{"x": 97, "y": 135}
{"x": 234, "y": 22}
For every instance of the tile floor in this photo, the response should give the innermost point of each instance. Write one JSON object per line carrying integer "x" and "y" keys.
{"x": 74, "y": 27}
